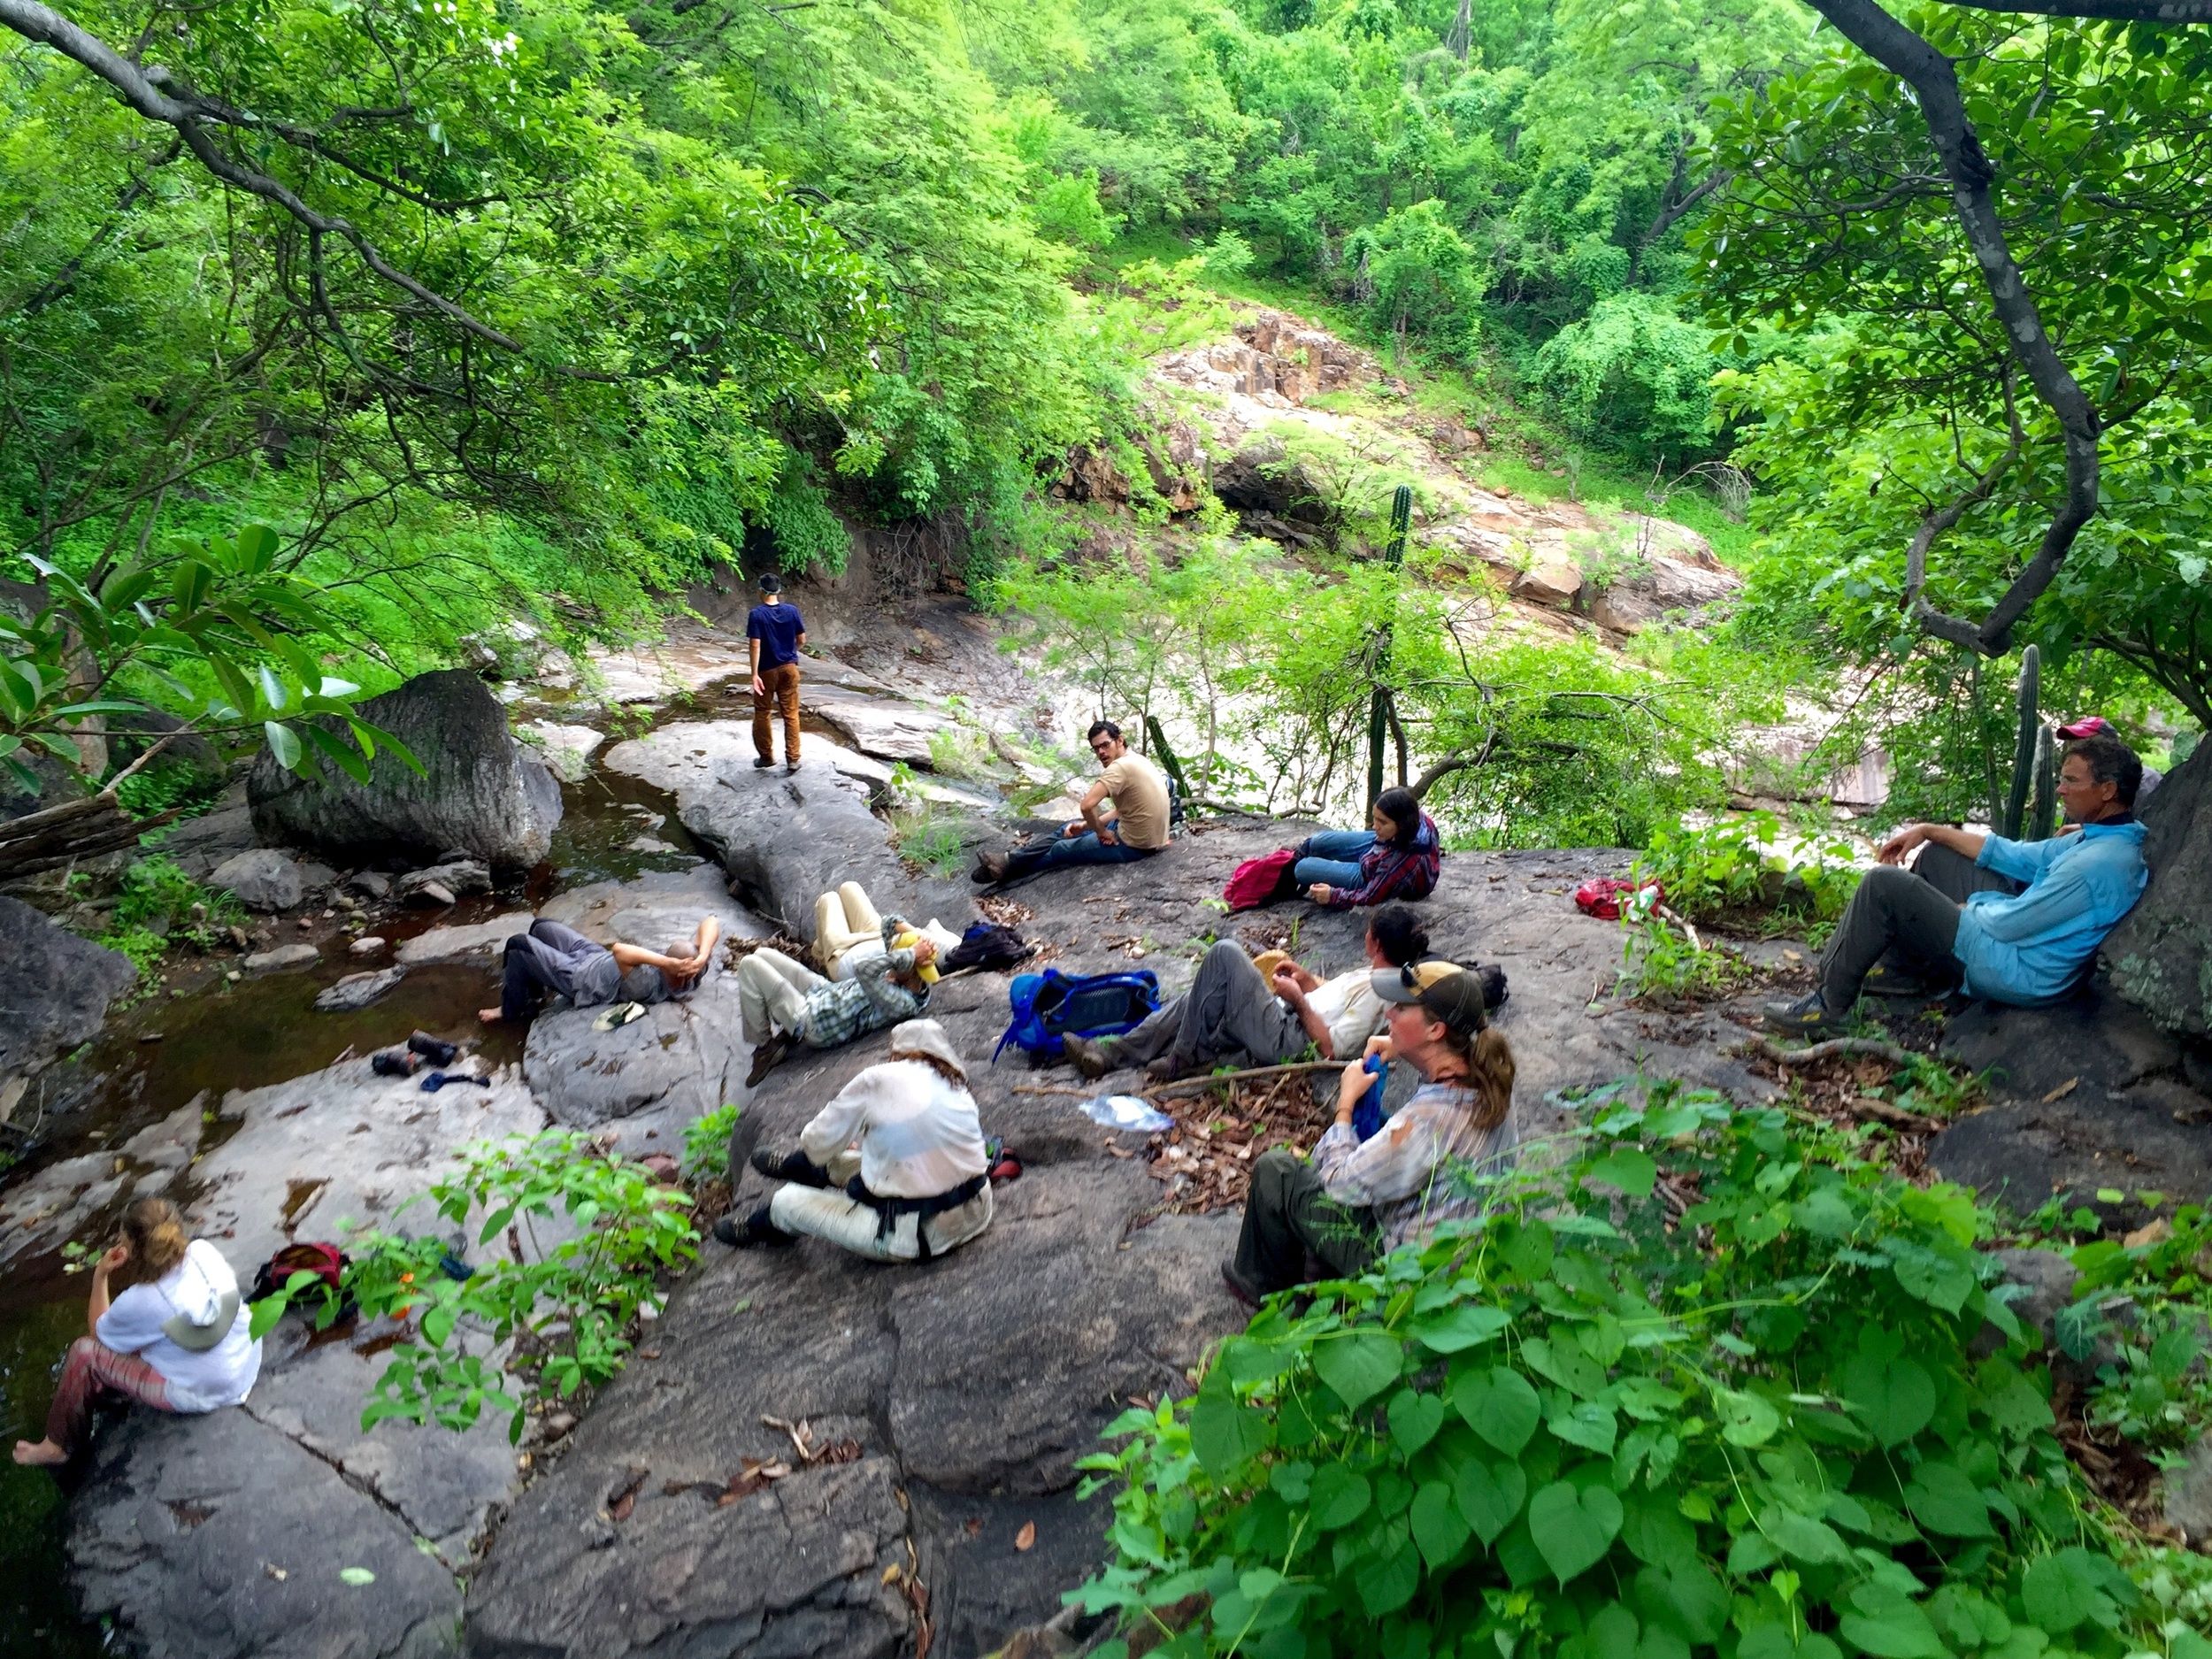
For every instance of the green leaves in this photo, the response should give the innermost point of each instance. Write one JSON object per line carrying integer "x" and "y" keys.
{"x": 1942, "y": 1499}
{"x": 1893, "y": 1395}
{"x": 1889, "y": 1624}
{"x": 1499, "y": 1405}
{"x": 1459, "y": 1327}
{"x": 1358, "y": 1365}
{"x": 1573, "y": 1526}
{"x": 1490, "y": 1495}
{"x": 1338, "y": 1496}
{"x": 1415, "y": 1419}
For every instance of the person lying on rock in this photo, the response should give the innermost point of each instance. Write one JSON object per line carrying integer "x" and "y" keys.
{"x": 1357, "y": 1199}
{"x": 846, "y": 926}
{"x": 894, "y": 1168}
{"x": 2016, "y": 922}
{"x": 554, "y": 956}
{"x": 1136, "y": 827}
{"x": 181, "y": 1341}
{"x": 782, "y": 1002}
{"x": 1399, "y": 857}
{"x": 1235, "y": 1011}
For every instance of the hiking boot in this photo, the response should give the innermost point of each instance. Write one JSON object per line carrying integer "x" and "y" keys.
{"x": 1087, "y": 1056}
{"x": 766, "y": 1057}
{"x": 764, "y": 762}
{"x": 394, "y": 1062}
{"x": 1883, "y": 980}
{"x": 792, "y": 1166}
{"x": 790, "y": 767}
{"x": 1167, "y": 1069}
{"x": 753, "y": 1231}
{"x": 435, "y": 1049}
{"x": 1806, "y": 1015}
{"x": 989, "y": 867}
{"x": 1242, "y": 1288}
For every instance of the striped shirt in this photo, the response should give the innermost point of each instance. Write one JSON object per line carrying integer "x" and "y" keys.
{"x": 1413, "y": 1171}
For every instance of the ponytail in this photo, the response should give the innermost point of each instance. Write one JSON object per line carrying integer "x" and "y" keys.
{"x": 156, "y": 1231}
{"x": 1488, "y": 1058}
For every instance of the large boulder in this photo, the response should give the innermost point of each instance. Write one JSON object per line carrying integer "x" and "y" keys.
{"x": 261, "y": 879}
{"x": 2161, "y": 954}
{"x": 480, "y": 792}
{"x": 56, "y": 988}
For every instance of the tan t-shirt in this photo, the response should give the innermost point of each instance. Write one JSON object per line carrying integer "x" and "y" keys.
{"x": 1140, "y": 796}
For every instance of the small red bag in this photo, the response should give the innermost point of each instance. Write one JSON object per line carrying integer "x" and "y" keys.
{"x": 1603, "y": 897}
{"x": 1258, "y": 882}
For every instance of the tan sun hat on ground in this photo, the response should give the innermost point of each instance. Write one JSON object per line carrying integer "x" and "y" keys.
{"x": 927, "y": 1037}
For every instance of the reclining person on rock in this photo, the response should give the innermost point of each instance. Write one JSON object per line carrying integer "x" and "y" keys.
{"x": 1399, "y": 857}
{"x": 1136, "y": 827}
{"x": 554, "y": 956}
{"x": 181, "y": 1341}
{"x": 894, "y": 1168}
{"x": 1957, "y": 914}
{"x": 783, "y": 1002}
{"x": 1357, "y": 1199}
{"x": 1233, "y": 1011}
{"x": 847, "y": 926}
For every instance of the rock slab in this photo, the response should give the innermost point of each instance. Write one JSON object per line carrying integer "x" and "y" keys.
{"x": 480, "y": 792}
{"x": 261, "y": 879}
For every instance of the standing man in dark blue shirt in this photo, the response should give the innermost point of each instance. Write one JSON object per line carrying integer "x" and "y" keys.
{"x": 777, "y": 632}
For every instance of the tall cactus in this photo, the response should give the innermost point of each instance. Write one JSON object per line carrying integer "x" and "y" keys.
{"x": 2023, "y": 747}
{"x": 2045, "y": 819}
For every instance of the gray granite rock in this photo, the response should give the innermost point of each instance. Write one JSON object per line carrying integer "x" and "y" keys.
{"x": 262, "y": 880}
{"x": 452, "y": 944}
{"x": 55, "y": 988}
{"x": 359, "y": 990}
{"x": 480, "y": 792}
{"x": 2161, "y": 953}
{"x": 280, "y": 959}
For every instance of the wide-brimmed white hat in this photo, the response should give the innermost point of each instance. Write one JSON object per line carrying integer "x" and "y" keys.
{"x": 927, "y": 1037}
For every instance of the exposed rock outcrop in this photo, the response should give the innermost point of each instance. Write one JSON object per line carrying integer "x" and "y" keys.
{"x": 2161, "y": 954}
{"x": 261, "y": 879}
{"x": 55, "y": 988}
{"x": 480, "y": 792}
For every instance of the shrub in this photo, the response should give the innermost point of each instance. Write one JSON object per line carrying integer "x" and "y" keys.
{"x": 1724, "y": 871}
{"x": 157, "y": 903}
{"x": 707, "y": 1144}
{"x": 1634, "y": 375}
{"x": 567, "y": 1310}
{"x": 1767, "y": 1426}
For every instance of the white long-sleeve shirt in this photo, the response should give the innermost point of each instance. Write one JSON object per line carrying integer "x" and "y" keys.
{"x": 918, "y": 1130}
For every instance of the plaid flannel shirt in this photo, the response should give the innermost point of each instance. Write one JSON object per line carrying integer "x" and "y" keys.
{"x": 870, "y": 1001}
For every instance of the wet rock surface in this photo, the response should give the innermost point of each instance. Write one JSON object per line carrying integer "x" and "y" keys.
{"x": 481, "y": 794}
{"x": 228, "y": 1534}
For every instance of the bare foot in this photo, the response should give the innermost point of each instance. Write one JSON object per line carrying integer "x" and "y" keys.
{"x": 40, "y": 1454}
{"x": 489, "y": 1016}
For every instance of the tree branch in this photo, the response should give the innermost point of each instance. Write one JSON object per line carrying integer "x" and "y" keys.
{"x": 1933, "y": 78}
{"x": 2108, "y": 11}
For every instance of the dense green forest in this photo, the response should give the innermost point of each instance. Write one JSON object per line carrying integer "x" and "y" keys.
{"x": 545, "y": 306}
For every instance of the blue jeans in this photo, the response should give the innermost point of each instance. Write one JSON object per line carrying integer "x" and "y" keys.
{"x": 1061, "y": 850}
{"x": 1331, "y": 857}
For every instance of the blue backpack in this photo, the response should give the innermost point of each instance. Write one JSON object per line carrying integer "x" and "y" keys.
{"x": 1051, "y": 1005}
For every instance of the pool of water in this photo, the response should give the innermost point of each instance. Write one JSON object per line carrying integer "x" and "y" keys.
{"x": 218, "y": 1036}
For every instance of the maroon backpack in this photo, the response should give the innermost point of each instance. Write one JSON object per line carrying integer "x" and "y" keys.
{"x": 1261, "y": 880}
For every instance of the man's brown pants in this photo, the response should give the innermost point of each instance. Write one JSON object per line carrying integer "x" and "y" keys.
{"x": 778, "y": 685}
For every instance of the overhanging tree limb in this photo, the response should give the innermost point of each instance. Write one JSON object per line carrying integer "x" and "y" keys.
{"x": 148, "y": 91}
{"x": 2105, "y": 11}
{"x": 1933, "y": 78}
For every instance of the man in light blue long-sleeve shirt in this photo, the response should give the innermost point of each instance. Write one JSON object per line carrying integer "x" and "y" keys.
{"x": 1960, "y": 915}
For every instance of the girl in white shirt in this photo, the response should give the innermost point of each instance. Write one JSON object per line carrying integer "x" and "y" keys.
{"x": 182, "y": 1342}
{"x": 894, "y": 1168}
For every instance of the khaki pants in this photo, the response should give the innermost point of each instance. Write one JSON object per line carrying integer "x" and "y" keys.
{"x": 771, "y": 992}
{"x": 827, "y": 1213}
{"x": 843, "y": 920}
{"x": 779, "y": 685}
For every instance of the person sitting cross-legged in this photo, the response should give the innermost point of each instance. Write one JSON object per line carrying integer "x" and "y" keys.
{"x": 552, "y": 957}
{"x": 1359, "y": 1200}
{"x": 781, "y": 1001}
{"x": 1233, "y": 1010}
{"x": 1946, "y": 920}
{"x": 1126, "y": 816}
{"x": 894, "y": 1168}
{"x": 1399, "y": 857}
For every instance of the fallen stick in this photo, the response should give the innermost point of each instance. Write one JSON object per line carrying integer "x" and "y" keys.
{"x": 1834, "y": 1046}
{"x": 1199, "y": 1085}
{"x": 1896, "y": 1117}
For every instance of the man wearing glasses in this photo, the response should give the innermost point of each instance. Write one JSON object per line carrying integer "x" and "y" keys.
{"x": 1125, "y": 816}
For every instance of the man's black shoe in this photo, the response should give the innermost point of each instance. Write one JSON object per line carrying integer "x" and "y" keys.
{"x": 792, "y": 1166}
{"x": 435, "y": 1049}
{"x": 762, "y": 765}
{"x": 766, "y": 1057}
{"x": 989, "y": 867}
{"x": 1882, "y": 981}
{"x": 753, "y": 1231}
{"x": 1809, "y": 1014}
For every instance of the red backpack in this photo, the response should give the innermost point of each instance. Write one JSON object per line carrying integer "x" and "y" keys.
{"x": 1261, "y": 880}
